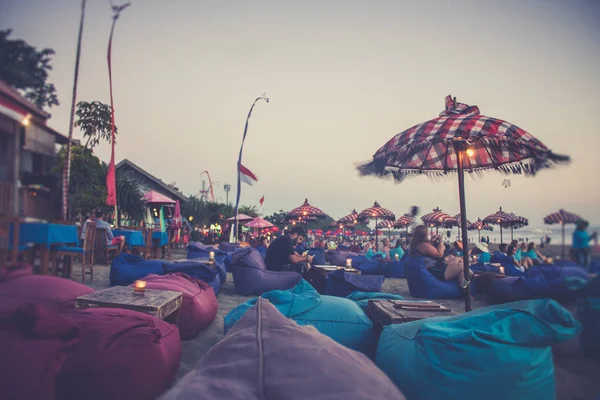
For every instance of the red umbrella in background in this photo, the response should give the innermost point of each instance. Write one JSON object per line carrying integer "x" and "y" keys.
{"x": 562, "y": 217}
{"x": 258, "y": 223}
{"x": 479, "y": 225}
{"x": 461, "y": 139}
{"x": 376, "y": 212}
{"x": 438, "y": 218}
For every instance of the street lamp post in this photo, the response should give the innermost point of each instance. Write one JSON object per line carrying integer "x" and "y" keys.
{"x": 227, "y": 188}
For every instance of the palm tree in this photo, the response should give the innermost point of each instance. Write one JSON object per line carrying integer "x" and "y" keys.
{"x": 249, "y": 211}
{"x": 129, "y": 198}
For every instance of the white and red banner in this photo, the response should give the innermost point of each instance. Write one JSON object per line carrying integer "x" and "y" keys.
{"x": 247, "y": 176}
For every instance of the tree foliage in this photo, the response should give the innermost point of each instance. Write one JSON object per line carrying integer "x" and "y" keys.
{"x": 25, "y": 68}
{"x": 129, "y": 198}
{"x": 206, "y": 212}
{"x": 250, "y": 211}
{"x": 87, "y": 185}
{"x": 94, "y": 120}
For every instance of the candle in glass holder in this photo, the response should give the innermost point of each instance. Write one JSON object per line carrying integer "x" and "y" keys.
{"x": 139, "y": 287}
{"x": 396, "y": 257}
{"x": 349, "y": 262}
{"x": 211, "y": 256}
{"x": 501, "y": 270}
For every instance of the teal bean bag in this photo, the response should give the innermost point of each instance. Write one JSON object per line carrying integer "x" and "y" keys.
{"x": 362, "y": 298}
{"x": 495, "y": 353}
{"x": 339, "y": 318}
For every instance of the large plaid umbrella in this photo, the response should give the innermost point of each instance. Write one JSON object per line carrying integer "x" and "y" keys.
{"x": 376, "y": 212}
{"x": 461, "y": 139}
{"x": 386, "y": 224}
{"x": 562, "y": 217}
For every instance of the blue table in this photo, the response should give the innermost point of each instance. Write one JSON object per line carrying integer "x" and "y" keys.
{"x": 132, "y": 238}
{"x": 46, "y": 235}
{"x": 162, "y": 236}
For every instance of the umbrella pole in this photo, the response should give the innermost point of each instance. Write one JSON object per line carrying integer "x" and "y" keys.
{"x": 501, "y": 234}
{"x": 512, "y": 233}
{"x": 563, "y": 240}
{"x": 463, "y": 219}
{"x": 376, "y": 235}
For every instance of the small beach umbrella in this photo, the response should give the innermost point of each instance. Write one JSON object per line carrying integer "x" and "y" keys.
{"x": 404, "y": 221}
{"x": 438, "y": 218}
{"x": 504, "y": 220}
{"x": 562, "y": 217}
{"x": 306, "y": 212}
{"x": 479, "y": 225}
{"x": 519, "y": 223}
{"x": 241, "y": 218}
{"x": 461, "y": 139}
{"x": 258, "y": 223}
{"x": 377, "y": 213}
{"x": 386, "y": 224}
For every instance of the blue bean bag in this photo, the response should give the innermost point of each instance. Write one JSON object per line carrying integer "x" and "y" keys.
{"x": 492, "y": 353}
{"x": 595, "y": 266}
{"x": 337, "y": 257}
{"x": 199, "y": 250}
{"x": 371, "y": 267}
{"x": 358, "y": 260}
{"x": 206, "y": 273}
{"x": 394, "y": 269}
{"x": 318, "y": 256}
{"x": 340, "y": 319}
{"x": 340, "y": 283}
{"x": 482, "y": 267}
{"x": 588, "y": 312}
{"x": 559, "y": 283}
{"x": 127, "y": 268}
{"x": 227, "y": 262}
{"x": 362, "y": 298}
{"x": 510, "y": 269}
{"x": 421, "y": 283}
{"x": 251, "y": 277}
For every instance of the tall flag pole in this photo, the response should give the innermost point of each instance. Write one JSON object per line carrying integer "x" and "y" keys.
{"x": 67, "y": 168}
{"x": 111, "y": 183}
{"x": 239, "y": 163}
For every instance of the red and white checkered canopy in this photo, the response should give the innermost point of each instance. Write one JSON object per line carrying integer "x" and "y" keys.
{"x": 376, "y": 212}
{"x": 349, "y": 219}
{"x": 480, "y": 225}
{"x": 439, "y": 218}
{"x": 562, "y": 217}
{"x": 506, "y": 220}
{"x": 429, "y": 147}
{"x": 404, "y": 221}
{"x": 306, "y": 211}
{"x": 386, "y": 223}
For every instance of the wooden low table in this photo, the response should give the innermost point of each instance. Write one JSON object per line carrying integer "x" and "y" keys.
{"x": 158, "y": 303}
{"x": 386, "y": 312}
{"x": 330, "y": 268}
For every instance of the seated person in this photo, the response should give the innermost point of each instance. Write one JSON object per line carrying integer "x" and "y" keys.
{"x": 397, "y": 252}
{"x": 373, "y": 252}
{"x": 281, "y": 253}
{"x": 385, "y": 248}
{"x": 119, "y": 241}
{"x": 261, "y": 245}
{"x": 519, "y": 252}
{"x": 501, "y": 249}
{"x": 482, "y": 252}
{"x": 355, "y": 248}
{"x": 521, "y": 265}
{"x": 84, "y": 228}
{"x": 300, "y": 245}
{"x": 533, "y": 254}
{"x": 444, "y": 269}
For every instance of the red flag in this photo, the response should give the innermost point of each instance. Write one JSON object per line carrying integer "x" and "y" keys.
{"x": 111, "y": 184}
{"x": 262, "y": 200}
{"x": 246, "y": 175}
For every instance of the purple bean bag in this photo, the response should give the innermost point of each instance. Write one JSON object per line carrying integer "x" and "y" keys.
{"x": 199, "y": 250}
{"x": 338, "y": 257}
{"x": 199, "y": 307}
{"x": 421, "y": 283}
{"x": 228, "y": 247}
{"x": 372, "y": 267}
{"x": 34, "y": 341}
{"x": 394, "y": 269}
{"x": 267, "y": 356}
{"x": 18, "y": 286}
{"x": 250, "y": 275}
{"x": 123, "y": 355}
{"x": 340, "y": 283}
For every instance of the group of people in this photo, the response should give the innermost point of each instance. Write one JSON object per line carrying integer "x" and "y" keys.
{"x": 99, "y": 218}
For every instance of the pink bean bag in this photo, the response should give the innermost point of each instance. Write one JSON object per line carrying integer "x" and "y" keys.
{"x": 19, "y": 286}
{"x": 34, "y": 341}
{"x": 123, "y": 355}
{"x": 199, "y": 307}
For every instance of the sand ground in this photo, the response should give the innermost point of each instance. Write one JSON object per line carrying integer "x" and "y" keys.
{"x": 577, "y": 377}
